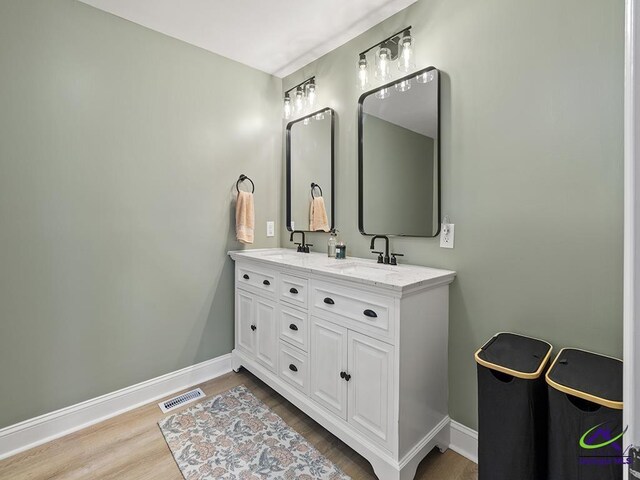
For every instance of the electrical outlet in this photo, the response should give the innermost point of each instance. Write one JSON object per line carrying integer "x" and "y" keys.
{"x": 271, "y": 228}
{"x": 446, "y": 235}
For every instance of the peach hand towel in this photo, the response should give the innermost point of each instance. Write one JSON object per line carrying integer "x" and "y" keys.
{"x": 318, "y": 221}
{"x": 245, "y": 217}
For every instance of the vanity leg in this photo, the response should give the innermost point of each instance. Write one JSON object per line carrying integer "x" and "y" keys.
{"x": 384, "y": 471}
{"x": 236, "y": 364}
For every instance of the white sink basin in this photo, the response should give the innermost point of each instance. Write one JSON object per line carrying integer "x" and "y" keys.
{"x": 373, "y": 271}
{"x": 278, "y": 256}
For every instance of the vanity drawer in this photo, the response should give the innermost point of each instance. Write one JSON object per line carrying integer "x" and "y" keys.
{"x": 294, "y": 327}
{"x": 294, "y": 290}
{"x": 294, "y": 367}
{"x": 257, "y": 279}
{"x": 358, "y": 309}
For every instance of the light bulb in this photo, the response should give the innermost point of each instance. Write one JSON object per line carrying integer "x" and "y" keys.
{"x": 403, "y": 86}
{"x": 383, "y": 93}
{"x": 383, "y": 61}
{"x": 287, "y": 106}
{"x": 425, "y": 77}
{"x": 311, "y": 94}
{"x": 406, "y": 60}
{"x": 299, "y": 99}
{"x": 363, "y": 73}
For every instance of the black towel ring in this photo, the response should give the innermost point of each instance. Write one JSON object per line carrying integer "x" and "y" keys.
{"x": 313, "y": 186}
{"x": 242, "y": 178}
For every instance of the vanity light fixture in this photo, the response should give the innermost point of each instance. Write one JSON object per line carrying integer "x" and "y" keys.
{"x": 398, "y": 48}
{"x": 363, "y": 72}
{"x": 299, "y": 100}
{"x": 383, "y": 64}
{"x": 406, "y": 60}
{"x": 287, "y": 106}
{"x": 305, "y": 98}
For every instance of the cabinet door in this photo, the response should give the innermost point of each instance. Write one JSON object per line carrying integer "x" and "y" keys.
{"x": 245, "y": 337}
{"x": 266, "y": 333}
{"x": 371, "y": 387}
{"x": 328, "y": 358}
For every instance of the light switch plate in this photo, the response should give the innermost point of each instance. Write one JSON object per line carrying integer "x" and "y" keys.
{"x": 446, "y": 235}
{"x": 271, "y": 228}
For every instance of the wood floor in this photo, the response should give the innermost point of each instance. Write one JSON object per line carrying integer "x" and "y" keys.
{"x": 131, "y": 447}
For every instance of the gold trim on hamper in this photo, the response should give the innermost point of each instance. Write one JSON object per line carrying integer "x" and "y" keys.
{"x": 577, "y": 393}
{"x": 515, "y": 373}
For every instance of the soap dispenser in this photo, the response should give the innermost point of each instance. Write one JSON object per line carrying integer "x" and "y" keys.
{"x": 331, "y": 244}
{"x": 341, "y": 249}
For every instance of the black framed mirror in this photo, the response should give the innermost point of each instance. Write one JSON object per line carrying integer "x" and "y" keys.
{"x": 399, "y": 157}
{"x": 310, "y": 160}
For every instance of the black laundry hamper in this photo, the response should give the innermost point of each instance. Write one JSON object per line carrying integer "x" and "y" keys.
{"x": 586, "y": 439}
{"x": 512, "y": 408}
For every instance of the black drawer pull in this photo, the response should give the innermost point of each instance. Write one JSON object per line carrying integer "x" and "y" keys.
{"x": 329, "y": 301}
{"x": 293, "y": 291}
{"x": 245, "y": 276}
{"x": 293, "y": 326}
{"x": 266, "y": 282}
{"x": 370, "y": 313}
{"x": 293, "y": 368}
{"x": 253, "y": 327}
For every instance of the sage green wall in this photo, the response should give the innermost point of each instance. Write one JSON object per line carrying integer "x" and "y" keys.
{"x": 119, "y": 151}
{"x": 398, "y": 179}
{"x": 531, "y": 118}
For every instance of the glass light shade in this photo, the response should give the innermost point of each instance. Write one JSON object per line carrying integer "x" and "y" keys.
{"x": 299, "y": 102}
{"x": 406, "y": 59}
{"x": 383, "y": 64}
{"x": 425, "y": 77}
{"x": 287, "y": 107}
{"x": 384, "y": 93}
{"x": 403, "y": 86}
{"x": 363, "y": 73}
{"x": 311, "y": 95}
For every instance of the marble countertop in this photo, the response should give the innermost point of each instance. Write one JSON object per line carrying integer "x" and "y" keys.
{"x": 359, "y": 270}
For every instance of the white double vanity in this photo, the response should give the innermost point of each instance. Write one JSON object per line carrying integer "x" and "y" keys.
{"x": 359, "y": 347}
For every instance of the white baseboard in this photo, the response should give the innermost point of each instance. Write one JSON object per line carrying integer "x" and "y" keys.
{"x": 36, "y": 431}
{"x": 464, "y": 441}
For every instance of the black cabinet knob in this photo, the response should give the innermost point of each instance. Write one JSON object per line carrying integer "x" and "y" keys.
{"x": 342, "y": 374}
{"x": 294, "y": 291}
{"x": 345, "y": 376}
{"x": 253, "y": 327}
{"x": 266, "y": 282}
{"x": 329, "y": 301}
{"x": 245, "y": 276}
{"x": 293, "y": 326}
{"x": 370, "y": 313}
{"x": 293, "y": 368}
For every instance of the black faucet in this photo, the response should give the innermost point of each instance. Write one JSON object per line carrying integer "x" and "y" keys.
{"x": 302, "y": 247}
{"x": 381, "y": 259}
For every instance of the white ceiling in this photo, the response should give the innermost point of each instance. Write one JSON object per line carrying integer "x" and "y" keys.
{"x": 275, "y": 36}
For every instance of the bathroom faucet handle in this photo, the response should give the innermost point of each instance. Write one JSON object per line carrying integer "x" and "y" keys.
{"x": 300, "y": 247}
{"x": 380, "y": 257}
{"x": 306, "y": 247}
{"x": 394, "y": 261}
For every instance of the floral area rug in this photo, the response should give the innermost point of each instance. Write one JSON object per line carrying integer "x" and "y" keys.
{"x": 235, "y": 436}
